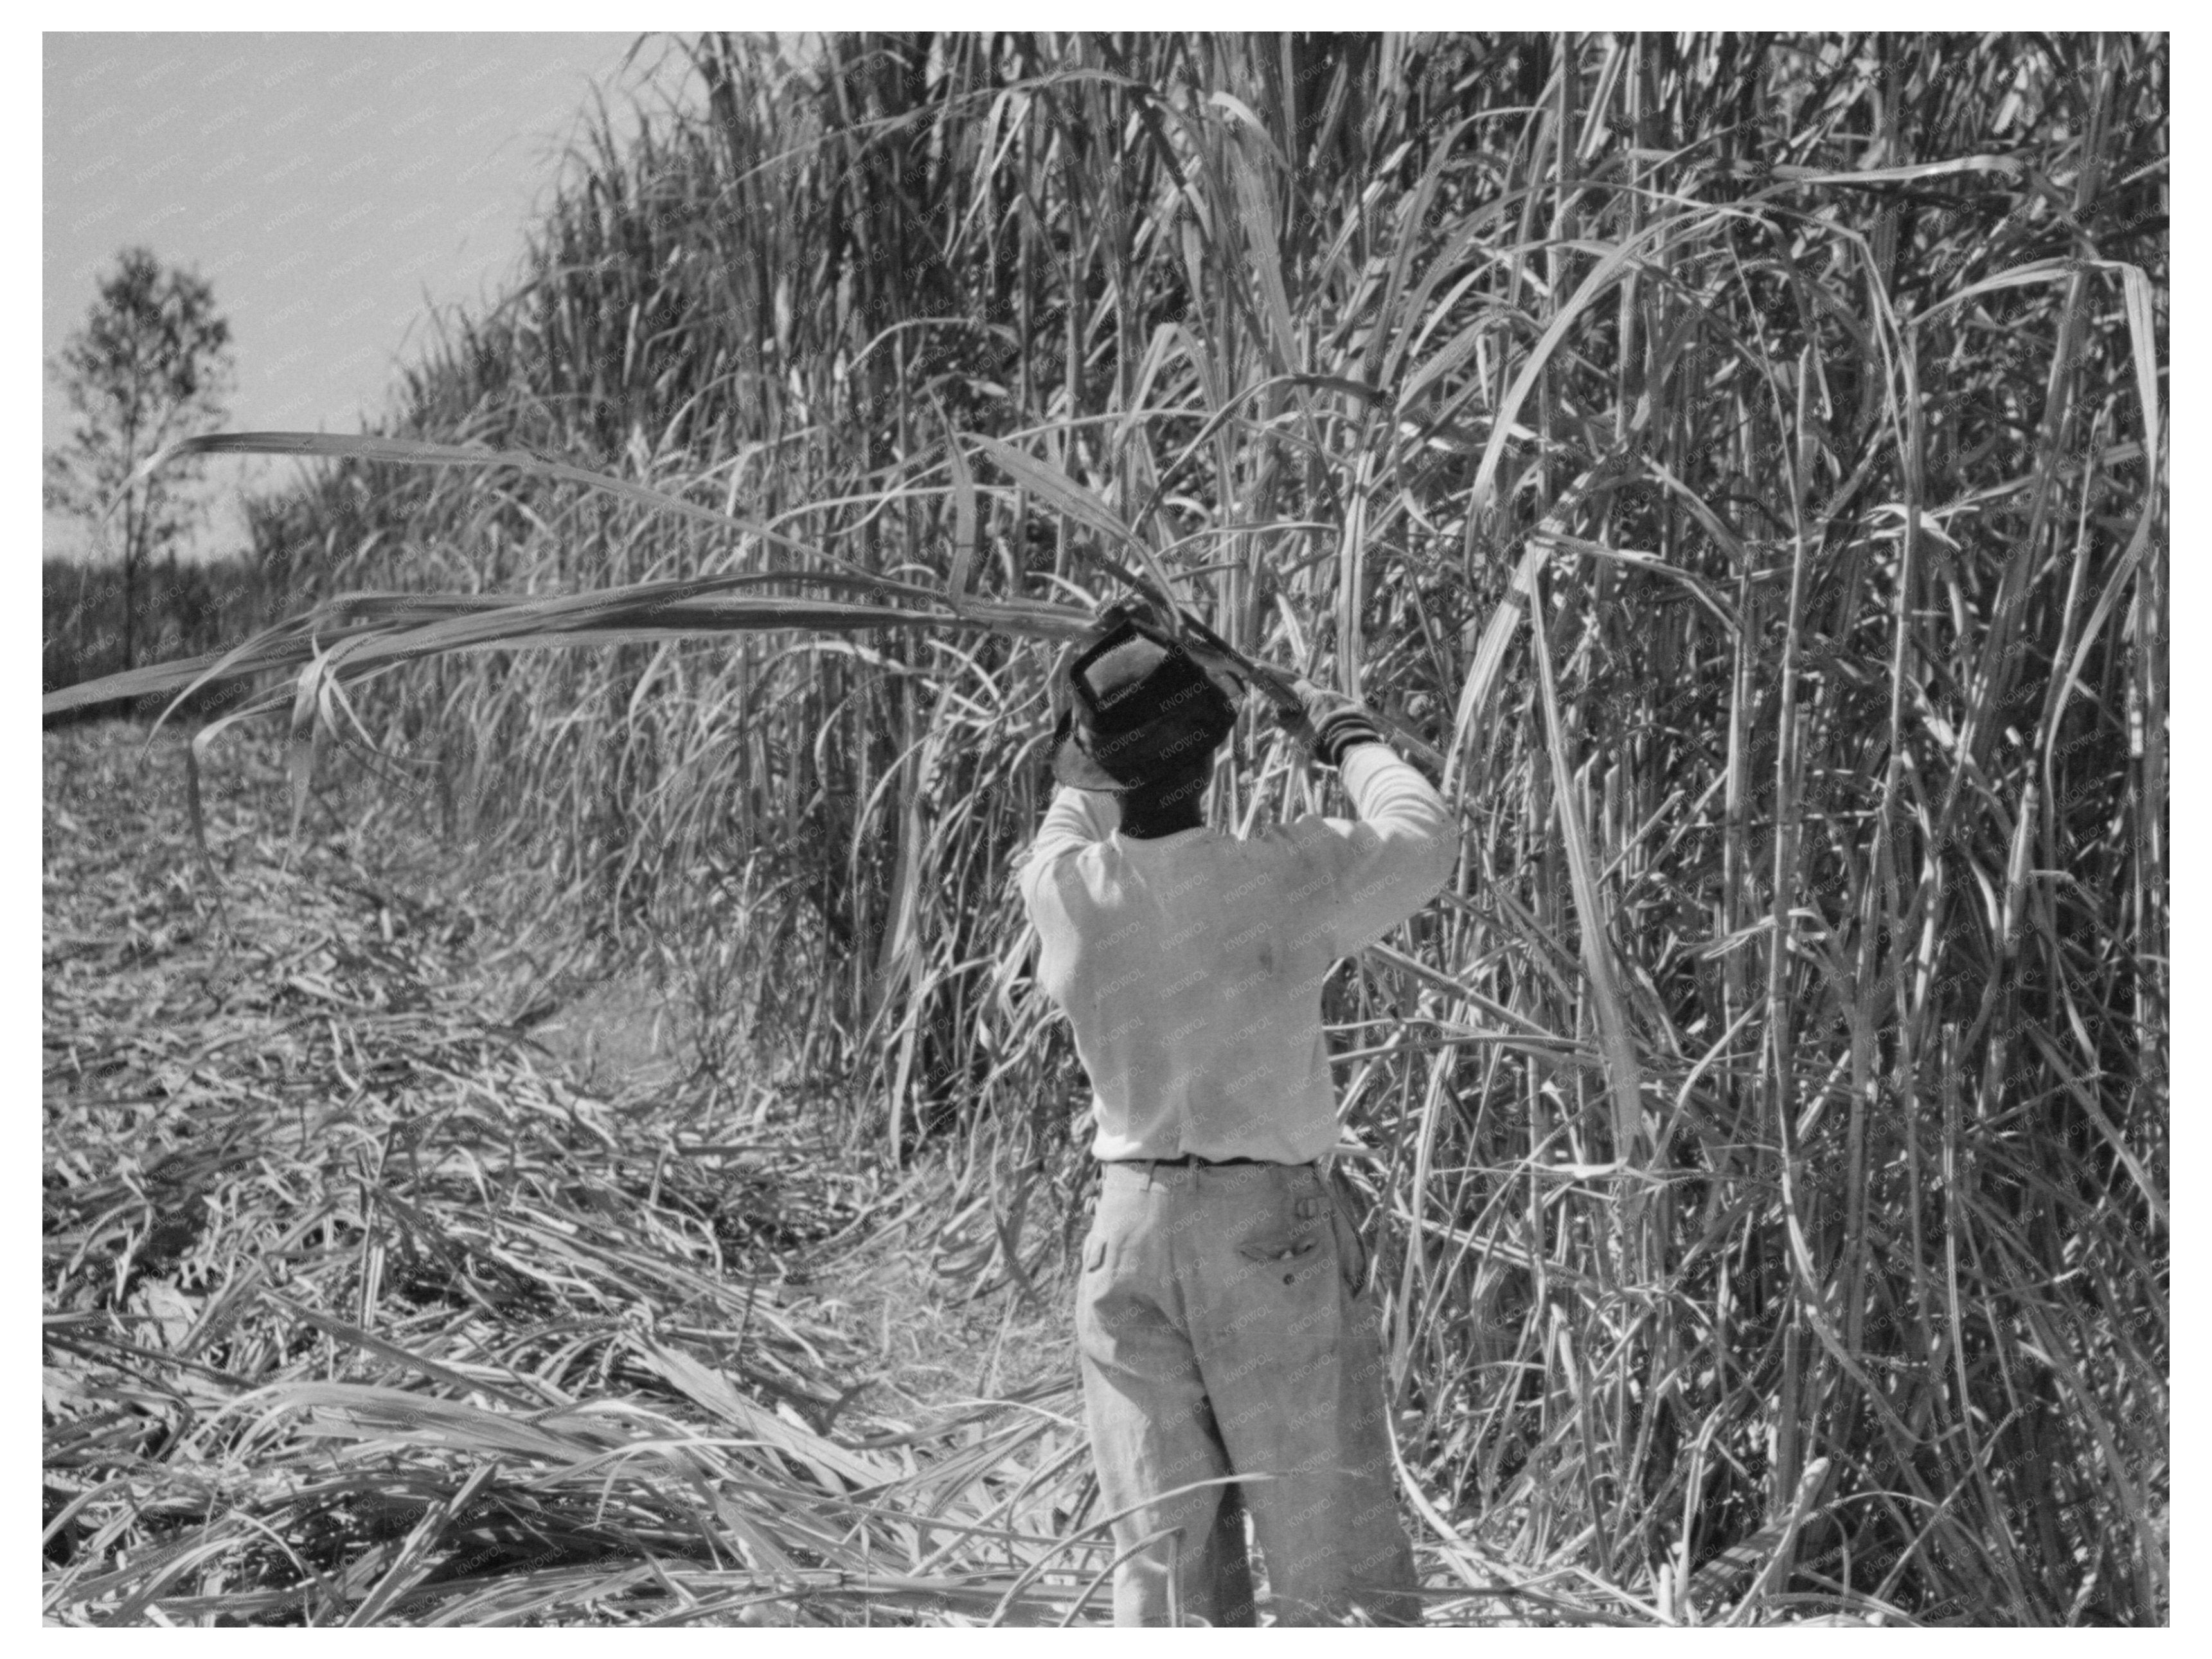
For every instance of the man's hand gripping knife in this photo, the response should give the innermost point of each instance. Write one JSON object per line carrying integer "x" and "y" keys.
{"x": 1327, "y": 724}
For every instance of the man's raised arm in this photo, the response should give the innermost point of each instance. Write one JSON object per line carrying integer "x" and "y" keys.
{"x": 1075, "y": 818}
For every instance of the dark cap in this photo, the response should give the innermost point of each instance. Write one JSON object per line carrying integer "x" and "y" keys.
{"x": 1141, "y": 708}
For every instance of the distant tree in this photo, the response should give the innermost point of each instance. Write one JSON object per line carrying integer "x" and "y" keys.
{"x": 151, "y": 364}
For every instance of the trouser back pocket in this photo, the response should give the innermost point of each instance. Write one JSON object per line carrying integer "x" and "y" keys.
{"x": 1351, "y": 1254}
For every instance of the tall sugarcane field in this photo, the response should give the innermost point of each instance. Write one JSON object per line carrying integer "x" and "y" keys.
{"x": 550, "y": 1115}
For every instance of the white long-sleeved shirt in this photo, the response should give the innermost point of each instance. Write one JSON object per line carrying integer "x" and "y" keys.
{"x": 1191, "y": 966}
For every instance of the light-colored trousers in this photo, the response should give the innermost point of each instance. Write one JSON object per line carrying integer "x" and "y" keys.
{"x": 1231, "y": 1364}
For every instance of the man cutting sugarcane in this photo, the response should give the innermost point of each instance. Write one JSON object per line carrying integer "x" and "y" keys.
{"x": 1230, "y": 1354}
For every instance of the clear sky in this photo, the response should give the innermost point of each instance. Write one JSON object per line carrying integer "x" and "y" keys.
{"x": 333, "y": 188}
